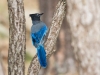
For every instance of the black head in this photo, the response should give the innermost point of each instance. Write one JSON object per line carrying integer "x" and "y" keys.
{"x": 36, "y": 16}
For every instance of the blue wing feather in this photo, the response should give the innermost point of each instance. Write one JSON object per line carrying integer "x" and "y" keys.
{"x": 34, "y": 40}
{"x": 42, "y": 33}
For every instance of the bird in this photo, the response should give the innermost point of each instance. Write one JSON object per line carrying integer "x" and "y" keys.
{"x": 38, "y": 33}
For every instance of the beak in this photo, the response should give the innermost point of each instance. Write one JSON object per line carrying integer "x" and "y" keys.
{"x": 41, "y": 14}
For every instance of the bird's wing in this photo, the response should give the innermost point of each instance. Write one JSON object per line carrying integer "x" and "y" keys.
{"x": 35, "y": 41}
{"x": 37, "y": 37}
{"x": 42, "y": 32}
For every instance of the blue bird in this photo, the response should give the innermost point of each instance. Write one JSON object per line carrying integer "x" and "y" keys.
{"x": 38, "y": 33}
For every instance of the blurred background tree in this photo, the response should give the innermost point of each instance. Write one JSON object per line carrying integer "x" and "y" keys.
{"x": 84, "y": 20}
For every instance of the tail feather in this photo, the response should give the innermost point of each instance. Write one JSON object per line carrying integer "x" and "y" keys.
{"x": 42, "y": 56}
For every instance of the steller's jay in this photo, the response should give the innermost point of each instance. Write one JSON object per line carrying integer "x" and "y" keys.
{"x": 38, "y": 33}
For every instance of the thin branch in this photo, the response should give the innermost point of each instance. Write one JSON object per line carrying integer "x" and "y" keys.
{"x": 52, "y": 37}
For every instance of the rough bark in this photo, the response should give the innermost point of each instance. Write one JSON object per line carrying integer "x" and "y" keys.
{"x": 51, "y": 38}
{"x": 84, "y": 19}
{"x": 16, "y": 53}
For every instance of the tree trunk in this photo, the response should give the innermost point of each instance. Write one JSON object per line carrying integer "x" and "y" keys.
{"x": 84, "y": 19}
{"x": 16, "y": 54}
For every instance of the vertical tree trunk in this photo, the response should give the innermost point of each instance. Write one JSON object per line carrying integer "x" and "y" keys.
{"x": 84, "y": 19}
{"x": 16, "y": 54}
